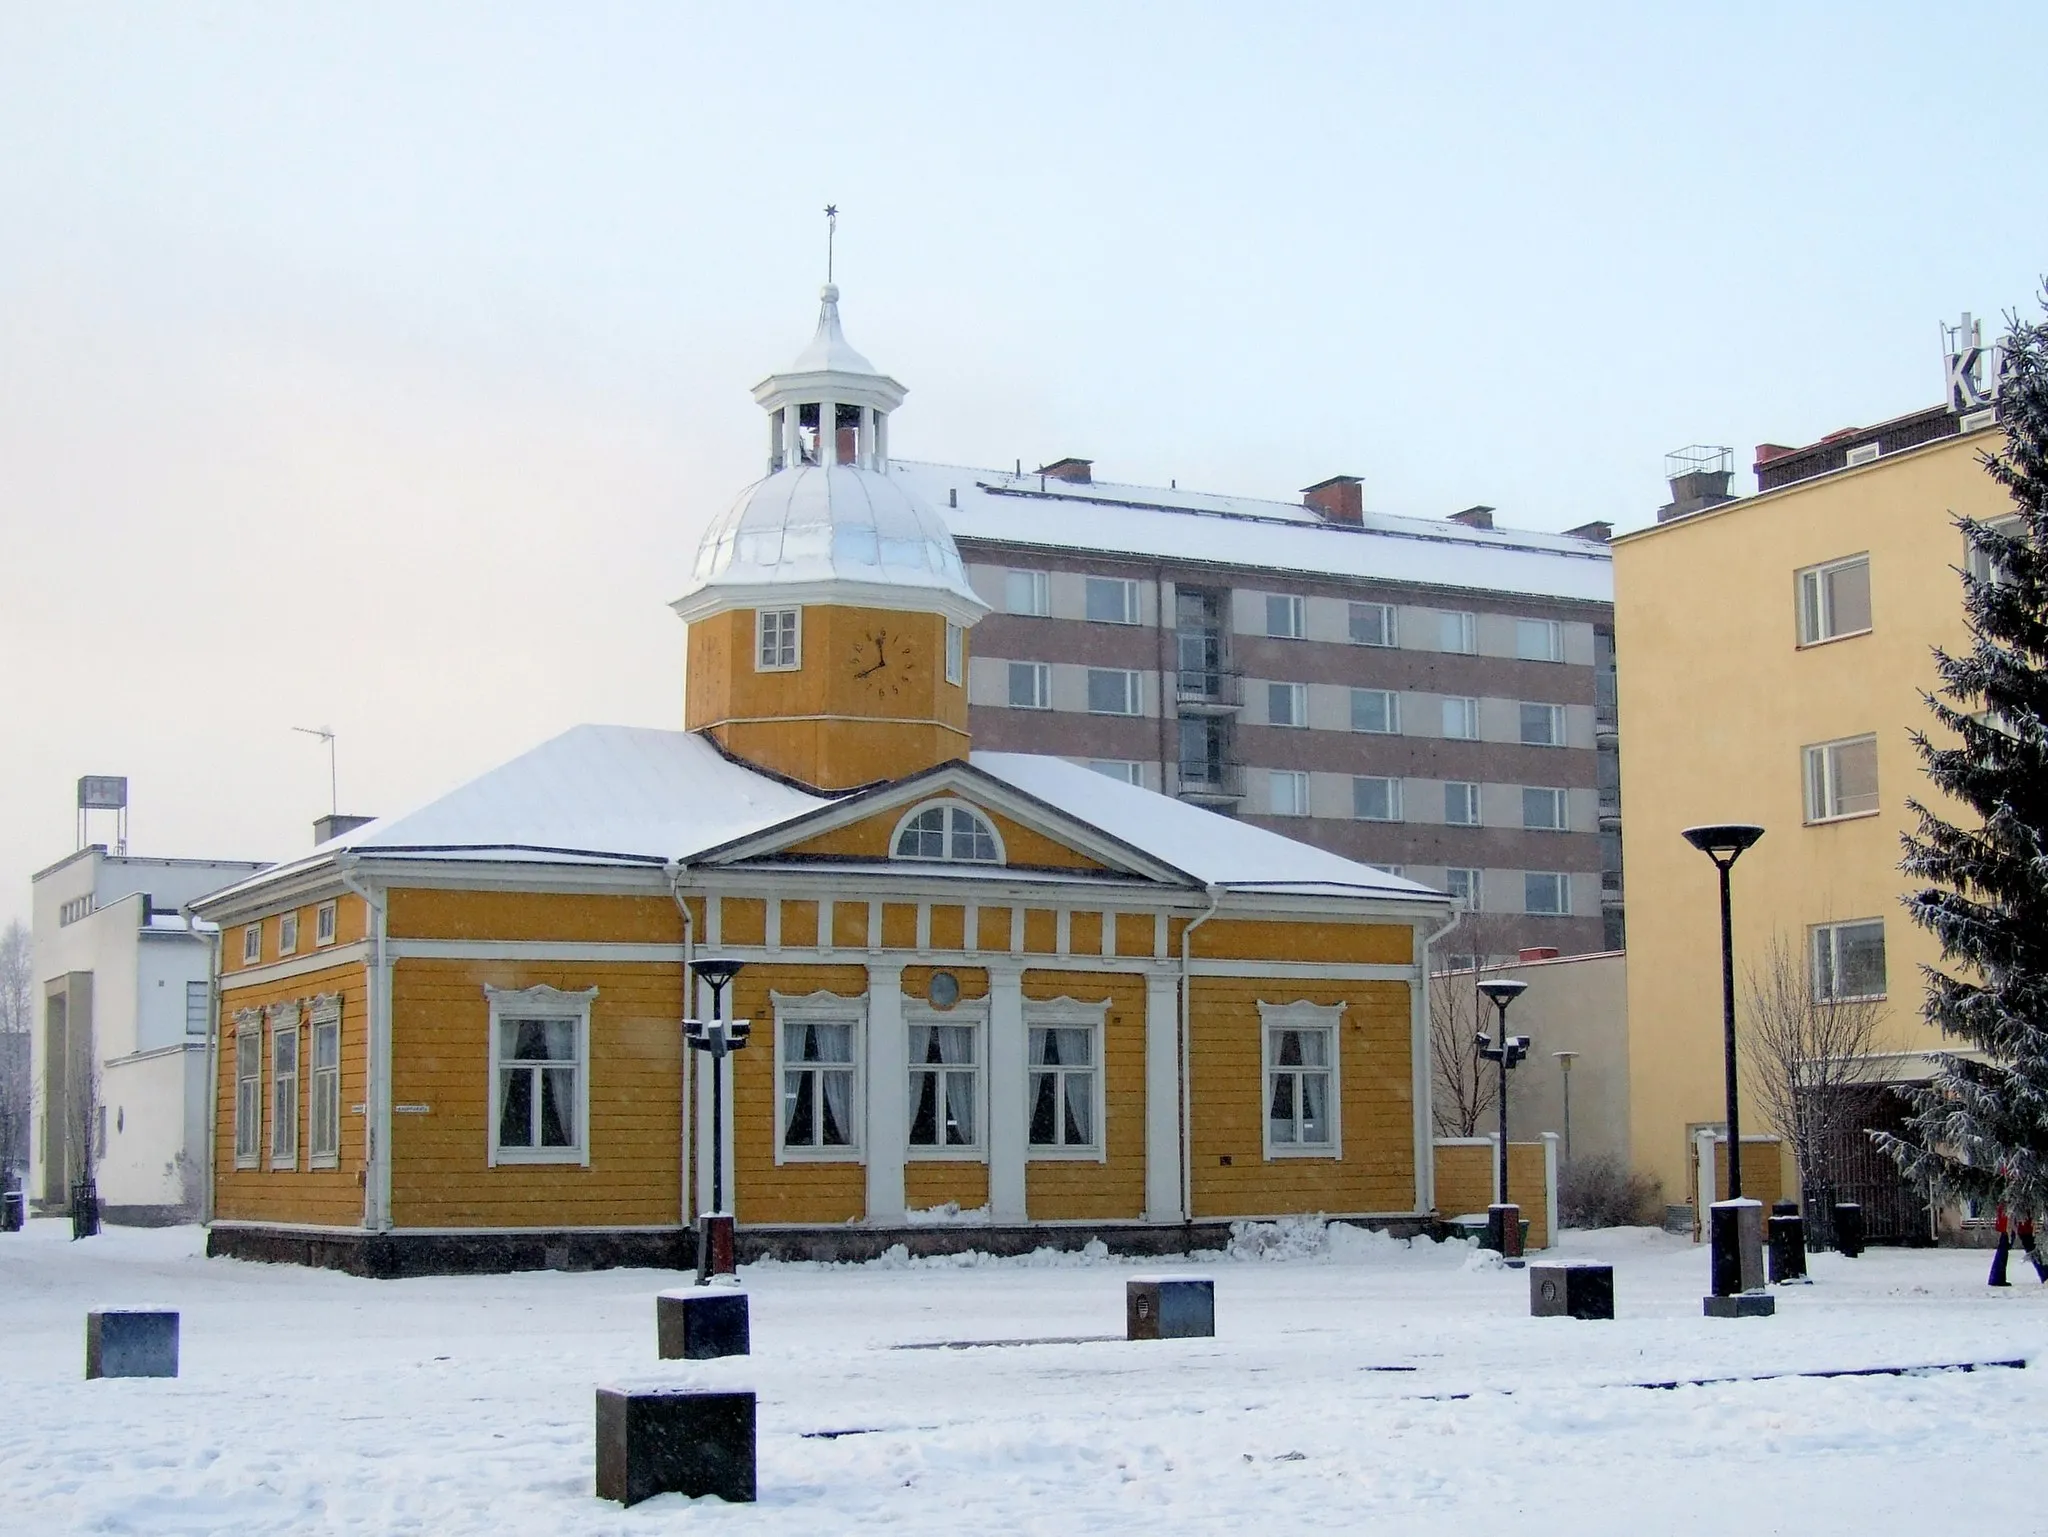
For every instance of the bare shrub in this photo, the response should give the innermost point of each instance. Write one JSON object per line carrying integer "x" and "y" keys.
{"x": 1602, "y": 1191}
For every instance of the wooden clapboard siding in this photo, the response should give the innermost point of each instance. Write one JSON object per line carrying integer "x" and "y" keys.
{"x": 1386, "y": 944}
{"x": 1464, "y": 1183}
{"x": 949, "y": 928}
{"x": 1074, "y": 1190}
{"x": 1084, "y": 933}
{"x": 1022, "y": 846}
{"x": 561, "y": 917}
{"x": 350, "y": 924}
{"x": 743, "y": 921}
{"x": 799, "y": 925}
{"x": 1377, "y": 1169}
{"x": 992, "y": 929}
{"x": 1134, "y": 933}
{"x": 1041, "y": 931}
{"x": 850, "y": 925}
{"x": 323, "y": 1197}
{"x": 440, "y": 1175}
{"x": 929, "y": 1182}
{"x": 899, "y": 925}
{"x": 799, "y": 1190}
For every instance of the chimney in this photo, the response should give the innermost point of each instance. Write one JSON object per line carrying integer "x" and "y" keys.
{"x": 1538, "y": 953}
{"x": 1474, "y": 517}
{"x": 1340, "y": 500}
{"x": 1699, "y": 476}
{"x": 1597, "y": 531}
{"x": 1766, "y": 452}
{"x": 332, "y": 826}
{"x": 1080, "y": 472}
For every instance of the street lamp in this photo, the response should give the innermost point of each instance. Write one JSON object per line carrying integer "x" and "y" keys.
{"x": 717, "y": 1037}
{"x": 1724, "y": 845}
{"x": 1504, "y": 1218}
{"x": 1564, "y": 1062}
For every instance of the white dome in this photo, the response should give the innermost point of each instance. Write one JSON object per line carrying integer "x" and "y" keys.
{"x": 849, "y": 533}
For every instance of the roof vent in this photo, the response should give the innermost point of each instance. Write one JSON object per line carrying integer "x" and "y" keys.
{"x": 1474, "y": 517}
{"x": 1699, "y": 474}
{"x": 1598, "y": 531}
{"x": 1340, "y": 499}
{"x": 1080, "y": 472}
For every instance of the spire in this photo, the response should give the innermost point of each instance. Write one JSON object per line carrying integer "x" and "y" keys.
{"x": 829, "y": 351}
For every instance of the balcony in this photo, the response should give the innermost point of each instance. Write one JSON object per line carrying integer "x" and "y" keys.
{"x": 1211, "y": 783}
{"x": 1207, "y": 691}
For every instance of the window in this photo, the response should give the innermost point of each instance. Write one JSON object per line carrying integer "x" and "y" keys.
{"x": 248, "y": 1089}
{"x": 198, "y": 1008}
{"x": 287, "y": 933}
{"x": 1542, "y": 725}
{"x": 323, "y": 1126}
{"x": 1376, "y": 800}
{"x": 1464, "y": 885}
{"x": 75, "y": 909}
{"x": 284, "y": 1086}
{"x": 540, "y": 1050}
{"x": 1375, "y": 709}
{"x": 1286, "y": 618}
{"x": 1539, "y": 640}
{"x": 1841, "y": 779}
{"x": 252, "y": 944}
{"x": 947, "y": 830}
{"x": 1027, "y": 592}
{"x": 1848, "y": 961}
{"x": 1287, "y": 792}
{"x": 1301, "y": 1099}
{"x": 1373, "y": 624}
{"x": 323, "y": 924}
{"x": 1030, "y": 686}
{"x": 1834, "y": 600}
{"x": 1112, "y": 600}
{"x": 1543, "y": 810}
{"x": 1065, "y": 1116}
{"x": 1863, "y": 453}
{"x": 777, "y": 644}
{"x": 1131, "y": 773}
{"x": 1286, "y": 704}
{"x": 1461, "y": 804}
{"x": 1459, "y": 633}
{"x": 1546, "y": 892}
{"x": 819, "y": 1087}
{"x": 956, "y": 654}
{"x": 1979, "y": 562}
{"x": 1461, "y": 719}
{"x": 1112, "y": 691}
{"x": 944, "y": 1087}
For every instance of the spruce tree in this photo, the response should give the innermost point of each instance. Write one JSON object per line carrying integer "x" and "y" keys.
{"x": 1980, "y": 1124}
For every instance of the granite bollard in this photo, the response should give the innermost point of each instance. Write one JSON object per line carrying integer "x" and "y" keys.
{"x": 131, "y": 1342}
{"x": 1571, "y": 1291}
{"x": 1169, "y": 1307}
{"x": 674, "y": 1441}
{"x": 701, "y": 1325}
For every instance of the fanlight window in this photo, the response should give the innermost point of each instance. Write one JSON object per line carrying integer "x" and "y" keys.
{"x": 948, "y": 832}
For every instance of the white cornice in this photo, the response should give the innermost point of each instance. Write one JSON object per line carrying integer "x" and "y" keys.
{"x": 718, "y": 598}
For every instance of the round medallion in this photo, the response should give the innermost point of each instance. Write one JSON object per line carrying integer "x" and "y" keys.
{"x": 944, "y": 990}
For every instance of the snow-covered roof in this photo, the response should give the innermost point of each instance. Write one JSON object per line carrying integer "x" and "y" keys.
{"x": 1099, "y": 517}
{"x": 829, "y": 351}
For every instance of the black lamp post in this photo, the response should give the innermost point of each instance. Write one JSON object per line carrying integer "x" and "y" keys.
{"x": 717, "y": 1037}
{"x": 1724, "y": 845}
{"x": 1507, "y": 1050}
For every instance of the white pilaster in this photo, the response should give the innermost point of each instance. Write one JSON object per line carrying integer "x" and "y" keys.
{"x": 1007, "y": 1093}
{"x": 828, "y": 432}
{"x": 888, "y": 1089}
{"x": 1162, "y": 1098}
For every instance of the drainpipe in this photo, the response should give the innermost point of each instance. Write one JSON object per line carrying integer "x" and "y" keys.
{"x": 674, "y": 871}
{"x": 1421, "y": 1038}
{"x": 1187, "y": 1124}
{"x": 212, "y": 1059}
{"x": 377, "y": 1081}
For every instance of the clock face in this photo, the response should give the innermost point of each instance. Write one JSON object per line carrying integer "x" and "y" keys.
{"x": 884, "y": 665}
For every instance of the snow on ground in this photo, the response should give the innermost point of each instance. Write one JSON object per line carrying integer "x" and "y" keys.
{"x": 314, "y": 1402}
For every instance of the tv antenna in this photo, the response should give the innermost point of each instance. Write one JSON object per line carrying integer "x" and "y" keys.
{"x": 326, "y": 734}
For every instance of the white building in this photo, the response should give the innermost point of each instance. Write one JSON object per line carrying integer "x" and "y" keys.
{"x": 118, "y": 1056}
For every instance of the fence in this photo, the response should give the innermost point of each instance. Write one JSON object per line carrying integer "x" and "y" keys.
{"x": 1468, "y": 1180}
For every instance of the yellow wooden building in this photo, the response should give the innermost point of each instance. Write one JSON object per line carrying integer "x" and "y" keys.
{"x": 998, "y": 999}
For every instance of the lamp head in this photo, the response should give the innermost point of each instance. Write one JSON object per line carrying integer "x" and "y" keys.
{"x": 717, "y": 970}
{"x": 1724, "y": 841}
{"x": 1503, "y": 991}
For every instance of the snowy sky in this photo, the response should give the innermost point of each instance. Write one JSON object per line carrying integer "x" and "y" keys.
{"x": 376, "y": 366}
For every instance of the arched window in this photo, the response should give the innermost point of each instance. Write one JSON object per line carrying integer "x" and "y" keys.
{"x": 947, "y": 830}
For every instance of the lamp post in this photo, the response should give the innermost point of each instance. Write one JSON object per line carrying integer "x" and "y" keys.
{"x": 1564, "y": 1062}
{"x": 1504, "y": 1217}
{"x": 717, "y": 1037}
{"x": 1724, "y": 845}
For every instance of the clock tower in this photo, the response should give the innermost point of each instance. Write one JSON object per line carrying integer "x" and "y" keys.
{"x": 828, "y": 611}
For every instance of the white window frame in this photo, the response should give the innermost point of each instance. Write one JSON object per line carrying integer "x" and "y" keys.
{"x": 1539, "y": 640}
{"x": 538, "y": 1002}
{"x": 1295, "y": 608}
{"x": 200, "y": 993}
{"x": 1820, "y": 776}
{"x": 1297, "y": 781}
{"x": 1301, "y": 1015}
{"x": 326, "y": 918}
{"x": 1553, "y": 713}
{"x": 973, "y": 1013}
{"x": 1036, "y": 589}
{"x": 1816, "y": 610}
{"x": 1829, "y": 936}
{"x": 1296, "y": 695}
{"x": 1471, "y": 790}
{"x": 822, "y": 1008}
{"x": 1065, "y": 1013}
{"x": 249, "y": 1089}
{"x": 252, "y": 943}
{"x": 1564, "y": 893}
{"x": 1385, "y": 621}
{"x": 1391, "y": 713}
{"x": 324, "y": 1084}
{"x": 1863, "y": 453}
{"x": 1127, "y": 771}
{"x": 1465, "y": 642}
{"x": 1474, "y": 883}
{"x": 1559, "y": 800}
{"x": 956, "y": 653}
{"x": 1393, "y": 786}
{"x": 1041, "y": 685}
{"x": 1466, "y": 710}
{"x": 282, "y": 1022}
{"x": 1977, "y": 563}
{"x": 1126, "y": 604}
{"x": 1134, "y": 696}
{"x": 288, "y": 933}
{"x": 788, "y": 639}
{"x": 951, "y": 805}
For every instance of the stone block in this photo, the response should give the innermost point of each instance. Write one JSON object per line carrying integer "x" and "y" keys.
{"x": 1735, "y": 1229}
{"x": 1571, "y": 1291}
{"x": 1741, "y": 1305}
{"x": 701, "y": 1325}
{"x": 1169, "y": 1307}
{"x": 1848, "y": 1221}
{"x": 674, "y": 1441}
{"x": 131, "y": 1342}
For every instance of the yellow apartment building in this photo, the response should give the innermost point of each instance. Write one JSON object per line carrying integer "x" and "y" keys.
{"x": 1774, "y": 650}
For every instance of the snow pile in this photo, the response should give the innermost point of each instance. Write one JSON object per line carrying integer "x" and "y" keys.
{"x": 899, "y": 1257}
{"x": 1314, "y": 1239}
{"x": 949, "y": 1213}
